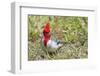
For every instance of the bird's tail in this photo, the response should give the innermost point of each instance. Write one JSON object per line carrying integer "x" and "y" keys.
{"x": 62, "y": 42}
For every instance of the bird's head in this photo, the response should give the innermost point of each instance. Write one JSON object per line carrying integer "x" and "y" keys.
{"x": 47, "y": 29}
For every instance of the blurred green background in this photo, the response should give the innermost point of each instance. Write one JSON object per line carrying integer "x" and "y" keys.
{"x": 71, "y": 29}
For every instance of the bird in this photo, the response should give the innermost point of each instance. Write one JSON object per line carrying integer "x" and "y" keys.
{"x": 52, "y": 45}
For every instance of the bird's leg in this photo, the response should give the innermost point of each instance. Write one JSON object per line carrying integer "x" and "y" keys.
{"x": 49, "y": 54}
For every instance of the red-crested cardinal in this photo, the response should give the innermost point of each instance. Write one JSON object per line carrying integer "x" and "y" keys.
{"x": 47, "y": 40}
